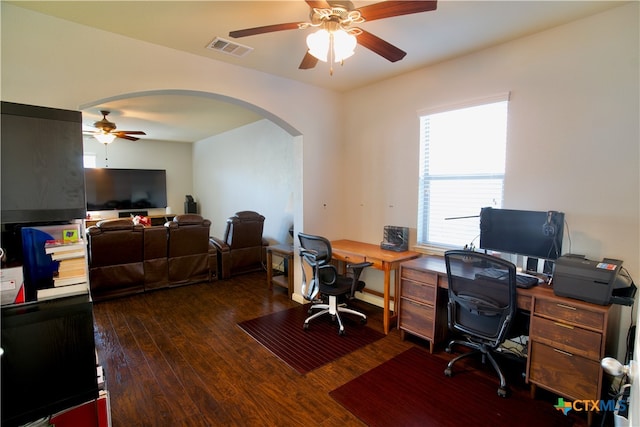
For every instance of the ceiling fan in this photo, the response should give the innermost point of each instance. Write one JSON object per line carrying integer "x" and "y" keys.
{"x": 107, "y": 132}
{"x": 340, "y": 17}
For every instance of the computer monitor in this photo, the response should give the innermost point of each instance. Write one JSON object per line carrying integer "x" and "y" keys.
{"x": 536, "y": 234}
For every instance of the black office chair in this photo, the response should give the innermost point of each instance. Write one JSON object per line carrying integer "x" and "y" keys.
{"x": 315, "y": 253}
{"x": 482, "y": 305}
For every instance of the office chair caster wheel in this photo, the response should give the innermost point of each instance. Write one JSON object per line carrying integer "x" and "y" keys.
{"x": 341, "y": 332}
{"x": 305, "y": 326}
{"x": 503, "y": 392}
{"x": 448, "y": 372}
{"x": 333, "y": 318}
{"x": 363, "y": 321}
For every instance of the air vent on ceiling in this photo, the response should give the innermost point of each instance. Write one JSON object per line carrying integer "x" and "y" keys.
{"x": 225, "y": 46}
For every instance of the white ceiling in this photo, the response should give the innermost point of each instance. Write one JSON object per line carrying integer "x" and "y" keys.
{"x": 456, "y": 28}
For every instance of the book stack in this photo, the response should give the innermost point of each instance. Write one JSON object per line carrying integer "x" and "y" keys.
{"x": 71, "y": 277}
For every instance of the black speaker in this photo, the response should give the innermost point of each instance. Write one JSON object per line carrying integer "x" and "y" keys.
{"x": 190, "y": 206}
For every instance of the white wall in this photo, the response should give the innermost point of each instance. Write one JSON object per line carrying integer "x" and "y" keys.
{"x": 572, "y": 138}
{"x": 249, "y": 168}
{"x": 175, "y": 158}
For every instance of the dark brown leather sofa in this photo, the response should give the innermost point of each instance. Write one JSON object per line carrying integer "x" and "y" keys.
{"x": 243, "y": 249}
{"x": 116, "y": 265}
{"x": 125, "y": 259}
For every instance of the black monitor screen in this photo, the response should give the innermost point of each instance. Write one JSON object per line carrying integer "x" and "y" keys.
{"x": 120, "y": 189}
{"x": 536, "y": 234}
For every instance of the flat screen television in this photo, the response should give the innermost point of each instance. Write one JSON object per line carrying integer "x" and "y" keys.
{"x": 536, "y": 234}
{"x": 125, "y": 189}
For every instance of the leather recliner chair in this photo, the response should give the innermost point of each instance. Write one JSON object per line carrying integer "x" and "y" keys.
{"x": 243, "y": 249}
{"x": 189, "y": 249}
{"x": 115, "y": 258}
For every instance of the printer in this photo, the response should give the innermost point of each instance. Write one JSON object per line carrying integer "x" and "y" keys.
{"x": 599, "y": 282}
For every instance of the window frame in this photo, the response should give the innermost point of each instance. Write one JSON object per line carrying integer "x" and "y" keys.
{"x": 422, "y": 220}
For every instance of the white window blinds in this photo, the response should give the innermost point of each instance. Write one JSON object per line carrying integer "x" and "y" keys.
{"x": 462, "y": 163}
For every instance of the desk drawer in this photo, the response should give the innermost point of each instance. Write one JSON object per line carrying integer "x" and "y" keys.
{"x": 574, "y": 314}
{"x": 566, "y": 337}
{"x": 416, "y": 318}
{"x": 418, "y": 291}
{"x": 419, "y": 276}
{"x": 348, "y": 258}
{"x": 566, "y": 374}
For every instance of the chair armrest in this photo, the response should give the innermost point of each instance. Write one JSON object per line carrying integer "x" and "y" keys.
{"x": 360, "y": 265}
{"x": 219, "y": 244}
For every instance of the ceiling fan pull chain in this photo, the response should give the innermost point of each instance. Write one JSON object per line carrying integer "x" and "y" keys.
{"x": 331, "y": 53}
{"x": 106, "y": 159}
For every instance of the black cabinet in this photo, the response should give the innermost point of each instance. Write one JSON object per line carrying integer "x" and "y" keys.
{"x": 49, "y": 359}
{"x": 42, "y": 171}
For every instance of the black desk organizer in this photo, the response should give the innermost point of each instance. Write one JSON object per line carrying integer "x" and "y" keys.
{"x": 395, "y": 238}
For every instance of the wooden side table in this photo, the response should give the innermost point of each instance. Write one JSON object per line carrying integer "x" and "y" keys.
{"x": 285, "y": 280}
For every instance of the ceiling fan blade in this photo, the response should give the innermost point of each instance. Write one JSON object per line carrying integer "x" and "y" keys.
{"x": 262, "y": 30}
{"x": 309, "y": 61}
{"x": 381, "y": 47}
{"x": 387, "y": 9}
{"x": 318, "y": 4}
{"x": 130, "y": 132}
{"x": 130, "y": 138}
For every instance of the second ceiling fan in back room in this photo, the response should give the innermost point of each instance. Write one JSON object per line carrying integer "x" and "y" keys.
{"x": 338, "y": 36}
{"x": 106, "y": 133}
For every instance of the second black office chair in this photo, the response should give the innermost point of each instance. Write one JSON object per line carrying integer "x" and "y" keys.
{"x": 315, "y": 254}
{"x": 482, "y": 305}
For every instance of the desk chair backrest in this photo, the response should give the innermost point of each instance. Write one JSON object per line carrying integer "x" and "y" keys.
{"x": 336, "y": 289}
{"x": 316, "y": 253}
{"x": 482, "y": 295}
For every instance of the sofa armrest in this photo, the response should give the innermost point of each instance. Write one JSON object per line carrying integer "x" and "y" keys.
{"x": 220, "y": 245}
{"x": 223, "y": 257}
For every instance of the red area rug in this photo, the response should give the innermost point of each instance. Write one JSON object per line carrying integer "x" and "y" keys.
{"x": 304, "y": 351}
{"x": 412, "y": 390}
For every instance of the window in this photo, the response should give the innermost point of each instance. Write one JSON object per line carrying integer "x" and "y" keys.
{"x": 89, "y": 160}
{"x": 462, "y": 163}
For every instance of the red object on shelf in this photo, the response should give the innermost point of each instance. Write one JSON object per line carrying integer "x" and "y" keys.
{"x": 95, "y": 413}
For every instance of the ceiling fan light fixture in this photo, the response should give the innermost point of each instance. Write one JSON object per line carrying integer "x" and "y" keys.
{"x": 318, "y": 44}
{"x": 105, "y": 138}
{"x": 344, "y": 45}
{"x": 338, "y": 43}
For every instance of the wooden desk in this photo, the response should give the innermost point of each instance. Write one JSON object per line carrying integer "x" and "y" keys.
{"x": 567, "y": 337}
{"x": 350, "y": 251}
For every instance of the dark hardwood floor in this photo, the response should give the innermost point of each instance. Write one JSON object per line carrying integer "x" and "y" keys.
{"x": 176, "y": 357}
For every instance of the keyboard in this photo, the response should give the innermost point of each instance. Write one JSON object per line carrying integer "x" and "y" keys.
{"x": 523, "y": 281}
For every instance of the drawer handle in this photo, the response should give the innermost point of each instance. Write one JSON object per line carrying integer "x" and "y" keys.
{"x": 563, "y": 352}
{"x": 563, "y": 325}
{"x": 568, "y": 307}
